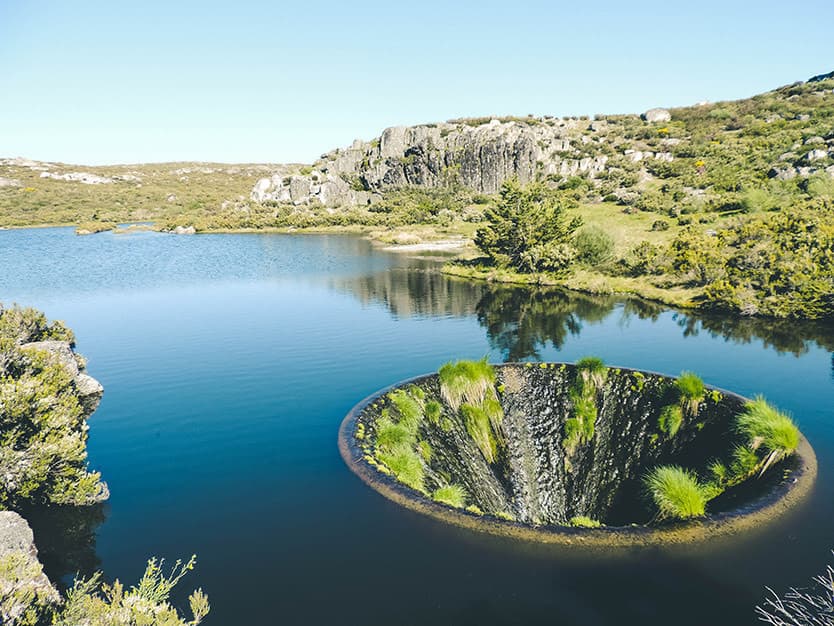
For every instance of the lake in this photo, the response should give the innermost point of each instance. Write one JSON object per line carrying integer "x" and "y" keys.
{"x": 229, "y": 361}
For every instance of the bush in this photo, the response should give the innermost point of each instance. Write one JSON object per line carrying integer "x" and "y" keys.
{"x": 528, "y": 229}
{"x": 593, "y": 245}
{"x": 43, "y": 430}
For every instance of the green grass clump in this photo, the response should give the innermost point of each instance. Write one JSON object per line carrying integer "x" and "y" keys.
{"x": 676, "y": 493}
{"x": 425, "y": 450}
{"x": 433, "y": 411}
{"x": 670, "y": 420}
{"x": 579, "y": 428}
{"x": 474, "y": 509}
{"x": 466, "y": 381}
{"x": 592, "y": 370}
{"x": 406, "y": 465}
{"x": 769, "y": 429}
{"x": 391, "y": 435}
{"x": 582, "y": 521}
{"x": 478, "y": 426}
{"x": 744, "y": 464}
{"x": 692, "y": 390}
{"x": 409, "y": 408}
{"x": 453, "y": 495}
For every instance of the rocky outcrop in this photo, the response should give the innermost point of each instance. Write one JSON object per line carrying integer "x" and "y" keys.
{"x": 79, "y": 177}
{"x": 22, "y": 581}
{"x": 479, "y": 154}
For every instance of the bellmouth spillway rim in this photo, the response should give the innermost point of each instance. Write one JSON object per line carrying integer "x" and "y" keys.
{"x": 784, "y": 496}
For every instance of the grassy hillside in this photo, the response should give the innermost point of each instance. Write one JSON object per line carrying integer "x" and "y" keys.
{"x": 727, "y": 205}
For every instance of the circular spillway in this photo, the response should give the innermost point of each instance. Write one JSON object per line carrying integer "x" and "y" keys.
{"x": 578, "y": 453}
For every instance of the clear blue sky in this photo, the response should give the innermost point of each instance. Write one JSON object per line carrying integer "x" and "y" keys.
{"x": 91, "y": 81}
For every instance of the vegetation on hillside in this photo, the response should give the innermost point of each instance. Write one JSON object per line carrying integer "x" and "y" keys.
{"x": 727, "y": 205}
{"x": 43, "y": 432}
{"x": 93, "y": 602}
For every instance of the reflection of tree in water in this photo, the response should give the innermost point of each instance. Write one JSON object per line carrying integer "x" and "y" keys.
{"x": 786, "y": 336}
{"x": 520, "y": 321}
{"x": 414, "y": 292}
{"x": 66, "y": 540}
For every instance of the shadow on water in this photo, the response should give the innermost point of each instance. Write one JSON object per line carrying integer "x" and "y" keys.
{"x": 66, "y": 540}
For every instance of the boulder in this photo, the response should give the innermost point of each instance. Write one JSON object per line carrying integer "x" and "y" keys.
{"x": 18, "y": 543}
{"x": 657, "y": 115}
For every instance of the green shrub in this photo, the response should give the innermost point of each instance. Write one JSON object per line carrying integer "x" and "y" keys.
{"x": 593, "y": 245}
{"x": 670, "y": 420}
{"x": 676, "y": 493}
{"x": 94, "y": 603}
{"x": 43, "y": 430}
{"x": 453, "y": 495}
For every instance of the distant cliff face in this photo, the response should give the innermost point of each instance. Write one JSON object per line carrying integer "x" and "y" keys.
{"x": 693, "y": 151}
{"x": 479, "y": 154}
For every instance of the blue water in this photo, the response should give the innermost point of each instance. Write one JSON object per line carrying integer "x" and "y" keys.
{"x": 228, "y": 362}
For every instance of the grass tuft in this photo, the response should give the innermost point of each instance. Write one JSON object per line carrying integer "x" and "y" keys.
{"x": 409, "y": 408}
{"x": 670, "y": 420}
{"x": 466, "y": 381}
{"x": 579, "y": 428}
{"x": 391, "y": 435}
{"x": 478, "y": 426}
{"x": 676, "y": 493}
{"x": 692, "y": 390}
{"x": 592, "y": 370}
{"x": 433, "y": 411}
{"x": 405, "y": 465}
{"x": 769, "y": 429}
{"x": 453, "y": 495}
{"x": 582, "y": 521}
